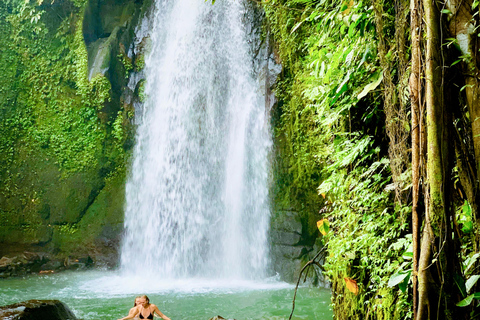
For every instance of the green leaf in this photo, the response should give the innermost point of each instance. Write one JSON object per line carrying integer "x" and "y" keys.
{"x": 471, "y": 282}
{"x": 397, "y": 278}
{"x": 470, "y": 261}
{"x": 323, "y": 226}
{"x": 467, "y": 210}
{"x": 467, "y": 227}
{"x": 403, "y": 285}
{"x": 341, "y": 87}
{"x": 371, "y": 86}
{"x": 465, "y": 302}
{"x": 455, "y": 62}
{"x": 460, "y": 282}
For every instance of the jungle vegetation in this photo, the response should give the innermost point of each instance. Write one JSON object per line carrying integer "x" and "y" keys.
{"x": 376, "y": 136}
{"x": 63, "y": 140}
{"x": 379, "y": 105}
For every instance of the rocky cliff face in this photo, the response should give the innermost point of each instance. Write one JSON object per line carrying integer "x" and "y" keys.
{"x": 74, "y": 219}
{"x": 73, "y": 211}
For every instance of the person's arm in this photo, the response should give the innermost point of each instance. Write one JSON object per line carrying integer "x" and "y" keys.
{"x": 155, "y": 310}
{"x": 131, "y": 314}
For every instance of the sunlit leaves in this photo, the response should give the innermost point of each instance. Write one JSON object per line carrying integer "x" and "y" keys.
{"x": 464, "y": 217}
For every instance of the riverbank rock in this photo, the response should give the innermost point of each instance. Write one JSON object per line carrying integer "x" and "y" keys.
{"x": 20, "y": 264}
{"x": 37, "y": 310}
{"x": 27, "y": 262}
{"x": 292, "y": 246}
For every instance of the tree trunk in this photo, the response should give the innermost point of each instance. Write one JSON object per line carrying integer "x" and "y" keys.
{"x": 435, "y": 211}
{"x": 415, "y": 85}
{"x": 424, "y": 305}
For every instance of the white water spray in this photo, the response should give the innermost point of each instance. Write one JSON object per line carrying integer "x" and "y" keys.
{"x": 197, "y": 196}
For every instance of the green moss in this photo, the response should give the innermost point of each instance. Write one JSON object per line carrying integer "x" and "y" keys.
{"x": 57, "y": 144}
{"x": 102, "y": 220}
{"x": 140, "y": 62}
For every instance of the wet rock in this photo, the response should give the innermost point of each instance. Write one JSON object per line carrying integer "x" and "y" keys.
{"x": 52, "y": 265}
{"x": 291, "y": 248}
{"x": 78, "y": 263}
{"x": 37, "y": 310}
{"x": 219, "y": 318}
{"x": 31, "y": 262}
{"x": 21, "y": 264}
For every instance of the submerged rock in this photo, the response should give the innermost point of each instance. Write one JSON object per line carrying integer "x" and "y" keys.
{"x": 219, "y": 318}
{"x": 37, "y": 310}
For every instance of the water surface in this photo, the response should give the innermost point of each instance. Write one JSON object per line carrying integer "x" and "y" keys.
{"x": 107, "y": 295}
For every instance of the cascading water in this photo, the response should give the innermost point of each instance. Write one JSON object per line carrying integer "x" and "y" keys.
{"x": 197, "y": 200}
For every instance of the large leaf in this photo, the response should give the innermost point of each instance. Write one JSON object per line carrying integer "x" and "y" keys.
{"x": 397, "y": 278}
{"x": 471, "y": 282}
{"x": 371, "y": 86}
{"x": 467, "y": 227}
{"x": 466, "y": 302}
{"x": 468, "y": 263}
{"x": 403, "y": 285}
{"x": 460, "y": 282}
{"x": 351, "y": 285}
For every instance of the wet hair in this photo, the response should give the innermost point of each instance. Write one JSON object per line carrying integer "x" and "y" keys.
{"x": 135, "y": 301}
{"x": 146, "y": 298}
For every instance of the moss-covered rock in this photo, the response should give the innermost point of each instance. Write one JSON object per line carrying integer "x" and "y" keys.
{"x": 97, "y": 234}
{"x": 65, "y": 131}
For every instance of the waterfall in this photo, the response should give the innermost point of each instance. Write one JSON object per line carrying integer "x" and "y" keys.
{"x": 197, "y": 194}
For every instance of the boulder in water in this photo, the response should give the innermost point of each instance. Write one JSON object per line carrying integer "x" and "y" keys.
{"x": 219, "y": 318}
{"x": 37, "y": 310}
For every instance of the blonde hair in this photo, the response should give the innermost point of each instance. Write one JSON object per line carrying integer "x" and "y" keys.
{"x": 135, "y": 301}
{"x": 146, "y": 298}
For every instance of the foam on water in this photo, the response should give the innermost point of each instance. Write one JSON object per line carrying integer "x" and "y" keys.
{"x": 117, "y": 284}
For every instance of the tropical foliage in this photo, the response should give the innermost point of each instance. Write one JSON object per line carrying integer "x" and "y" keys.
{"x": 381, "y": 115}
{"x": 58, "y": 142}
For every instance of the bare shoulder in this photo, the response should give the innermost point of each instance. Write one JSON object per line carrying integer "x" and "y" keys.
{"x": 135, "y": 309}
{"x": 154, "y": 307}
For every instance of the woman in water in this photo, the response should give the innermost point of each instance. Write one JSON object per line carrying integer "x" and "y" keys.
{"x": 133, "y": 310}
{"x": 145, "y": 310}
